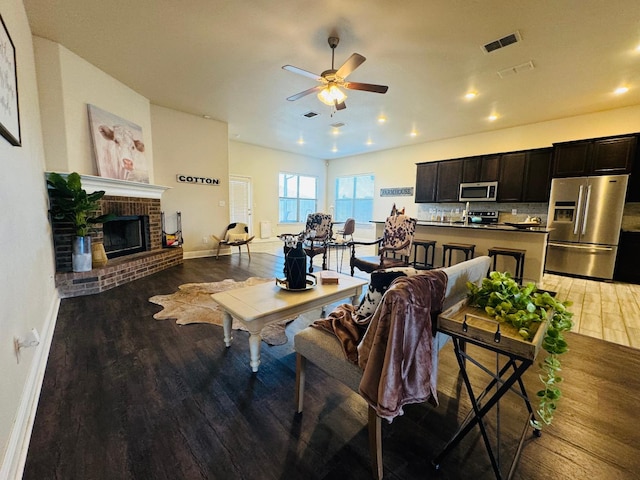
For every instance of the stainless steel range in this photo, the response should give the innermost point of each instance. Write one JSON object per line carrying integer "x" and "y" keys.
{"x": 483, "y": 217}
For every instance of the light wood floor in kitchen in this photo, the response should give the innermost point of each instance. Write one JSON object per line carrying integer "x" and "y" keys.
{"x": 606, "y": 310}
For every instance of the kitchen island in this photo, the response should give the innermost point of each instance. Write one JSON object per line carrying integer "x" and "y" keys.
{"x": 484, "y": 237}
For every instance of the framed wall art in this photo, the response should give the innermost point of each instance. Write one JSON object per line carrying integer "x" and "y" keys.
{"x": 9, "y": 108}
{"x": 118, "y": 146}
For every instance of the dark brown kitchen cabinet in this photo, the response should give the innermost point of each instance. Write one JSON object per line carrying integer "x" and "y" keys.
{"x": 448, "y": 182}
{"x": 626, "y": 269}
{"x": 537, "y": 175}
{"x": 613, "y": 156}
{"x": 471, "y": 169}
{"x": 510, "y": 183}
{"x": 483, "y": 168}
{"x": 426, "y": 177}
{"x": 600, "y": 156}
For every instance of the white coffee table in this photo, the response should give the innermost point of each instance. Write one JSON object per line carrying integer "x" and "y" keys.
{"x": 262, "y": 304}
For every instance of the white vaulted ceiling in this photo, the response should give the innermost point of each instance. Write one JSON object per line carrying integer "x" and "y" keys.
{"x": 223, "y": 59}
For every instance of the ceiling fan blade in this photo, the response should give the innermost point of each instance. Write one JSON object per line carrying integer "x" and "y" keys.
{"x": 299, "y": 71}
{"x": 367, "y": 87}
{"x": 353, "y": 62}
{"x": 340, "y": 106}
{"x": 305, "y": 93}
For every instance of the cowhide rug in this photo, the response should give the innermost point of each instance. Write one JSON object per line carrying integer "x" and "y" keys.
{"x": 192, "y": 303}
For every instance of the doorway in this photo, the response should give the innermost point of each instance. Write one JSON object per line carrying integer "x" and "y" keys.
{"x": 240, "y": 200}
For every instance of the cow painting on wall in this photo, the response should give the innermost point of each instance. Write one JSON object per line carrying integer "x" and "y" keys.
{"x": 118, "y": 146}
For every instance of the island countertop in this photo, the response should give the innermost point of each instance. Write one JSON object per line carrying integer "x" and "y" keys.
{"x": 531, "y": 239}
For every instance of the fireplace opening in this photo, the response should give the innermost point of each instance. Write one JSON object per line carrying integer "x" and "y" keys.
{"x": 126, "y": 235}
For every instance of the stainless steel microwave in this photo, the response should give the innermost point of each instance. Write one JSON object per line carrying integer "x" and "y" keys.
{"x": 478, "y": 192}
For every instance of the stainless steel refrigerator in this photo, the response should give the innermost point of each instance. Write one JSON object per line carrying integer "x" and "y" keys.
{"x": 585, "y": 215}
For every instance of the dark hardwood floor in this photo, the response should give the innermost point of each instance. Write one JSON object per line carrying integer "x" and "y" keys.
{"x": 129, "y": 397}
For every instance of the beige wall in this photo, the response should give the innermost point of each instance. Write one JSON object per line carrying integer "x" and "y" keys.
{"x": 263, "y": 165}
{"x": 396, "y": 168}
{"x": 191, "y": 145}
{"x": 28, "y": 296}
{"x": 66, "y": 84}
{"x": 180, "y": 143}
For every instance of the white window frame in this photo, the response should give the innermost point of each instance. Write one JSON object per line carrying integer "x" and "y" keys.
{"x": 354, "y": 199}
{"x": 301, "y": 199}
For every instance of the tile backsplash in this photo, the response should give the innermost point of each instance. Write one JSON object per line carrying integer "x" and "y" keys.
{"x": 524, "y": 210}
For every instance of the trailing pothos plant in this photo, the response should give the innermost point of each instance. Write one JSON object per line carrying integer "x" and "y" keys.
{"x": 526, "y": 309}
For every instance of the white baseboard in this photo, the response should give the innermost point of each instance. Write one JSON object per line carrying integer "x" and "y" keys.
{"x": 16, "y": 454}
{"x": 198, "y": 254}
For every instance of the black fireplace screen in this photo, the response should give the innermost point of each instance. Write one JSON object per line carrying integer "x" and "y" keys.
{"x": 126, "y": 235}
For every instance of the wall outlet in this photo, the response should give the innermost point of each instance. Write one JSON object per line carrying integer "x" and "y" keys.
{"x": 221, "y": 203}
{"x": 205, "y": 239}
{"x": 514, "y": 211}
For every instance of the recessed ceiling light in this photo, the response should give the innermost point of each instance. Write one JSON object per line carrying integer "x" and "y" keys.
{"x": 334, "y": 149}
{"x": 471, "y": 95}
{"x": 369, "y": 142}
{"x": 382, "y": 119}
{"x": 335, "y": 131}
{"x": 300, "y": 141}
{"x": 413, "y": 133}
{"x": 493, "y": 117}
{"x": 621, "y": 90}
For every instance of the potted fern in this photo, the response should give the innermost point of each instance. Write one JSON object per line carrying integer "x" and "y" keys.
{"x": 70, "y": 202}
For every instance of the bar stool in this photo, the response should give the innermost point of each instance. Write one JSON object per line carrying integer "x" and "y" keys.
{"x": 517, "y": 254}
{"x": 426, "y": 244}
{"x": 467, "y": 248}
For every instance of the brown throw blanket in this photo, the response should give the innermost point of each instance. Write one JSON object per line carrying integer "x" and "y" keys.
{"x": 347, "y": 326}
{"x": 395, "y": 350}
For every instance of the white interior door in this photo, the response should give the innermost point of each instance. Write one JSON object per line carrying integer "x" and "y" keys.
{"x": 240, "y": 200}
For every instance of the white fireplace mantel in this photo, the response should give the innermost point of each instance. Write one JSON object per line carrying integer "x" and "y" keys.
{"x": 119, "y": 188}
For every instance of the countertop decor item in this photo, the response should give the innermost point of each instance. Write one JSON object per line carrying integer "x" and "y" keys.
{"x": 525, "y": 308}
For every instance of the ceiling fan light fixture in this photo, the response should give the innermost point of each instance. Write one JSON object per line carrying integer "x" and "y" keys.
{"x": 331, "y": 94}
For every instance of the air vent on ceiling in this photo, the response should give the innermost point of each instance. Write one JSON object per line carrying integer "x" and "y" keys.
{"x": 523, "y": 67}
{"x": 310, "y": 114}
{"x": 502, "y": 42}
{"x": 337, "y": 125}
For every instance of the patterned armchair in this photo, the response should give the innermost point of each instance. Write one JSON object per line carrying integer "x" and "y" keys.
{"x": 318, "y": 233}
{"x": 394, "y": 247}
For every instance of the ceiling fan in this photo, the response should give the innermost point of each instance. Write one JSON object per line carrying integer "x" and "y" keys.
{"x": 330, "y": 80}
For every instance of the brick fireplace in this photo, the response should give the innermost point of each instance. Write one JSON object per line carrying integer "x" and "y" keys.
{"x": 124, "y": 199}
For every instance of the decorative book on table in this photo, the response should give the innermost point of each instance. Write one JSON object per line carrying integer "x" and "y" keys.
{"x": 328, "y": 277}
